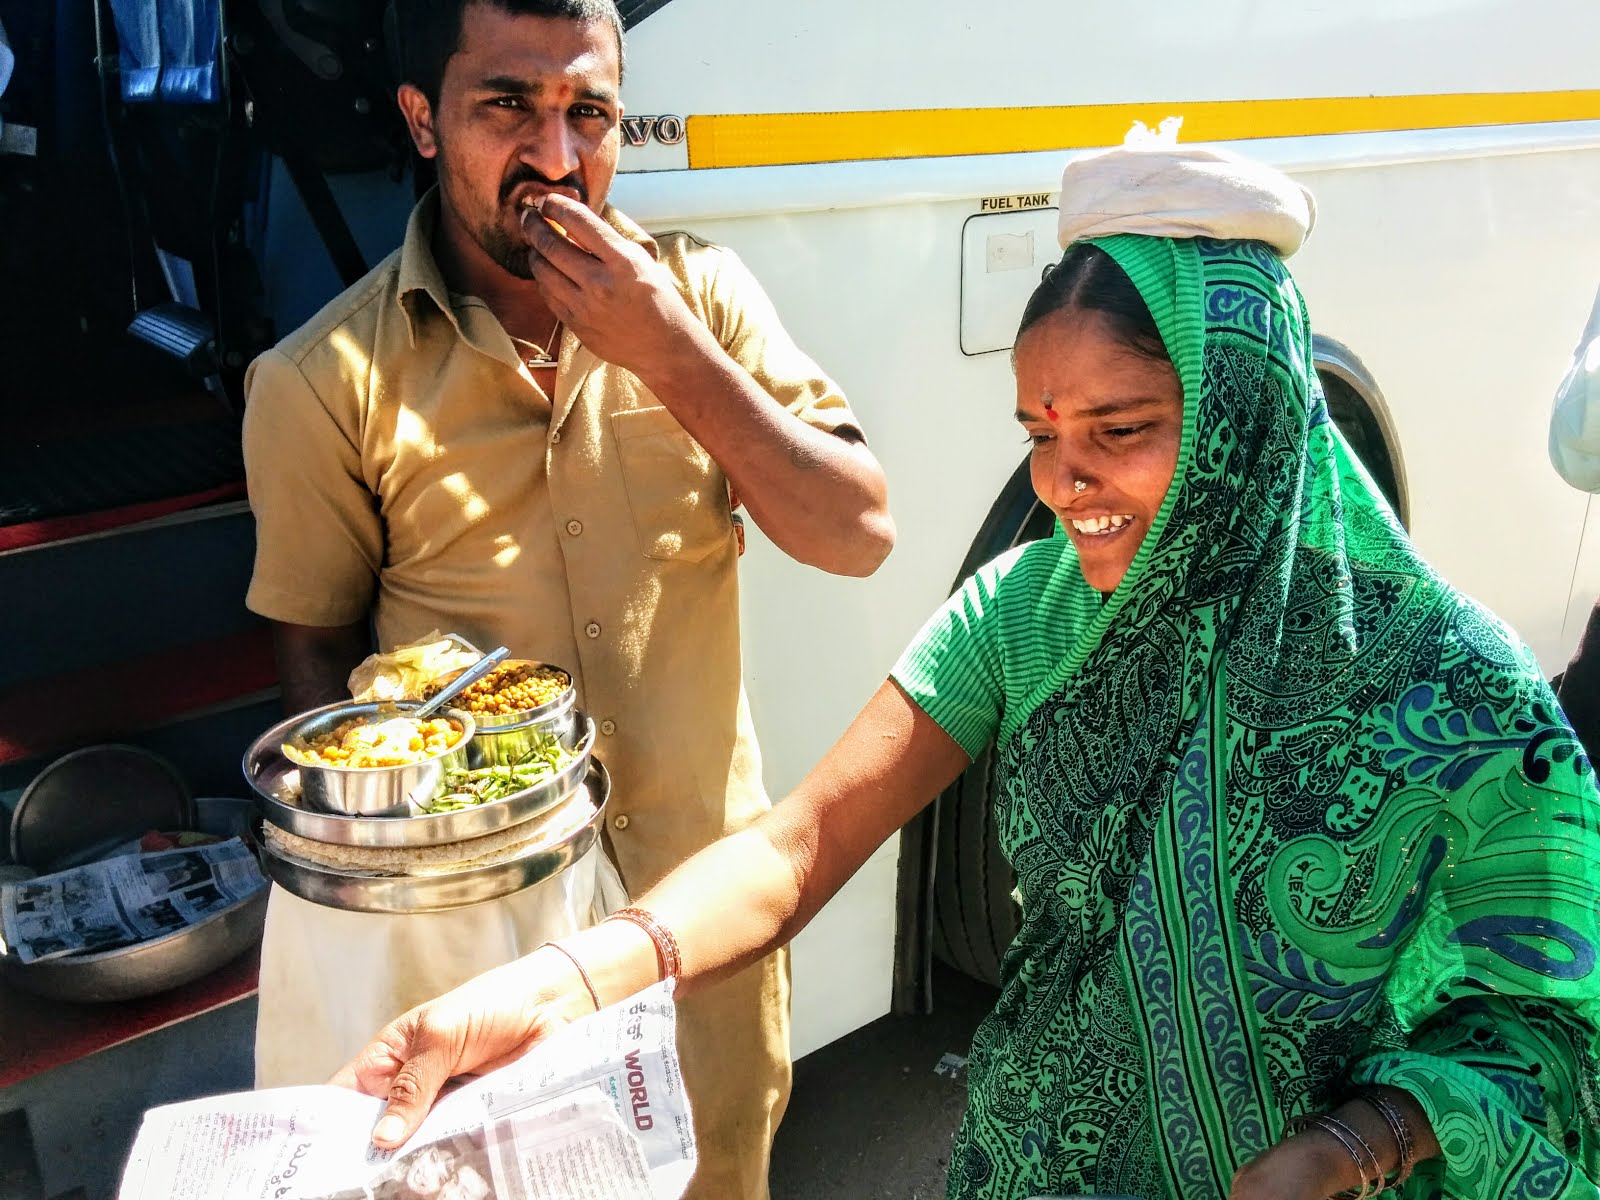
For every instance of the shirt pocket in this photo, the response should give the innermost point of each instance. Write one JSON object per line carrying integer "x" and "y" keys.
{"x": 677, "y": 495}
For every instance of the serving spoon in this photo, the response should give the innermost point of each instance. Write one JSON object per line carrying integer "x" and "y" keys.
{"x": 461, "y": 683}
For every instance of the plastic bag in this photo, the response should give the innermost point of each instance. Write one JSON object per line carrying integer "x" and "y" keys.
{"x": 404, "y": 672}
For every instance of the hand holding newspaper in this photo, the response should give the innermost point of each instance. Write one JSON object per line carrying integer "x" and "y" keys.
{"x": 596, "y": 1112}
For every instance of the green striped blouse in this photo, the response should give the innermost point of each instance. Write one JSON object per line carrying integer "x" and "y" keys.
{"x": 976, "y": 664}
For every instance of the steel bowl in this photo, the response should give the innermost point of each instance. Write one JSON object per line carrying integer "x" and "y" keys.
{"x": 365, "y": 791}
{"x": 161, "y": 963}
{"x": 357, "y": 891}
{"x": 505, "y": 737}
{"x": 145, "y": 968}
{"x": 273, "y": 779}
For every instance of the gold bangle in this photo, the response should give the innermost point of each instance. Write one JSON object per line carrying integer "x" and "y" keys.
{"x": 582, "y": 974}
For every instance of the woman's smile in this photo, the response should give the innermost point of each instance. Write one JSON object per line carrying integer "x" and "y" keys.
{"x": 1106, "y": 544}
{"x": 1102, "y": 527}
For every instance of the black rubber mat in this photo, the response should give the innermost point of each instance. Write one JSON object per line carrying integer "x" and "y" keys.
{"x": 71, "y": 476}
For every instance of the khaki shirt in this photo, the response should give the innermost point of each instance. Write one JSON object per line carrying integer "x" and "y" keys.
{"x": 401, "y": 461}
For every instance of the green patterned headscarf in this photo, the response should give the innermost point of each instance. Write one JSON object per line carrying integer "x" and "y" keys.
{"x": 1294, "y": 815}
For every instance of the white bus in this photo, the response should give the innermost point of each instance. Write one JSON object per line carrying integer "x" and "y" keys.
{"x": 889, "y": 171}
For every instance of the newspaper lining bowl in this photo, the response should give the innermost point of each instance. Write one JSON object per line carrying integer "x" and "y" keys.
{"x": 358, "y": 891}
{"x": 160, "y": 963}
{"x": 271, "y": 778}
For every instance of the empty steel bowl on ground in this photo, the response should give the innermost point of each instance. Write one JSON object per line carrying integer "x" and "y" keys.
{"x": 505, "y": 737}
{"x": 87, "y": 801}
{"x": 364, "y": 791}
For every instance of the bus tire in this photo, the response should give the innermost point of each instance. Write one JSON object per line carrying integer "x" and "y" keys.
{"x": 974, "y": 914}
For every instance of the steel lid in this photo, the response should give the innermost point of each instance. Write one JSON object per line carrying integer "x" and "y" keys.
{"x": 93, "y": 798}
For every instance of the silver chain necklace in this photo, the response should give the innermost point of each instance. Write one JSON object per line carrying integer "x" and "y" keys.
{"x": 535, "y": 355}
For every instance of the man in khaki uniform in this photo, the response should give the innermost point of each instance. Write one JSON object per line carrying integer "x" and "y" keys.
{"x": 531, "y": 437}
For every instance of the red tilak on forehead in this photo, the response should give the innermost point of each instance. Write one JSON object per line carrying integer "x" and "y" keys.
{"x": 1050, "y": 407}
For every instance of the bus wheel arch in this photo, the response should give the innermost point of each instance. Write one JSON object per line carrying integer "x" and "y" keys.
{"x": 1357, "y": 406}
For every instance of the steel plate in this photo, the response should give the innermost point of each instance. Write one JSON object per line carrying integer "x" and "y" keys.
{"x": 372, "y": 893}
{"x": 267, "y": 771}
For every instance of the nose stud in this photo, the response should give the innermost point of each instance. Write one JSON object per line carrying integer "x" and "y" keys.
{"x": 1079, "y": 485}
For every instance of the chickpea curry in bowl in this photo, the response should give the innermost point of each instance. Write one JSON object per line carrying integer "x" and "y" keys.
{"x": 512, "y": 689}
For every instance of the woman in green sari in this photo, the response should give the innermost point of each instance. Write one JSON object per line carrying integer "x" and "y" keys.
{"x": 1307, "y": 857}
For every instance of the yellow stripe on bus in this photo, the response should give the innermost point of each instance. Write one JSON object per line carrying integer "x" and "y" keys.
{"x": 777, "y": 139}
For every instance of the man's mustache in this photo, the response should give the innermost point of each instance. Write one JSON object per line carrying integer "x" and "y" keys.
{"x": 528, "y": 175}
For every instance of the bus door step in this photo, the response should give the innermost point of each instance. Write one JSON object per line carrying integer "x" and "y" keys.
{"x": 181, "y": 333}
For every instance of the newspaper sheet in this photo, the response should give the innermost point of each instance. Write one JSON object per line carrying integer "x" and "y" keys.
{"x": 128, "y": 898}
{"x": 597, "y": 1112}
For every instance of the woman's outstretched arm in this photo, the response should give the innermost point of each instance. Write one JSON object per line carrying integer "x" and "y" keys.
{"x": 727, "y": 906}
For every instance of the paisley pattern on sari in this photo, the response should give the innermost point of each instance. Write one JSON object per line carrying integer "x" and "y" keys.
{"x": 1290, "y": 815}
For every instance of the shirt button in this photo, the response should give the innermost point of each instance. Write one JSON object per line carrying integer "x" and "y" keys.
{"x": 574, "y": 527}
{"x": 621, "y": 822}
{"x": 592, "y": 629}
{"x": 555, "y": 438}
{"x": 608, "y": 727}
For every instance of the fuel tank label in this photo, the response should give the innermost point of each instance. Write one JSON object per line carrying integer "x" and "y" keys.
{"x": 1016, "y": 203}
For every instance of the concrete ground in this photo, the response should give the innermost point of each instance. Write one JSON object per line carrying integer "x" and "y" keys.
{"x": 873, "y": 1114}
{"x": 65, "y": 1135}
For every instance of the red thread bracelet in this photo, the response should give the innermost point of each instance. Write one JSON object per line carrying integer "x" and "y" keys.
{"x": 582, "y": 974}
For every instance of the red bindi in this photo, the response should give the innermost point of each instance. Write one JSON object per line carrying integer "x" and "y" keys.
{"x": 1051, "y": 413}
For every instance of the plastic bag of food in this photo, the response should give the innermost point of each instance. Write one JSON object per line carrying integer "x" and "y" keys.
{"x": 404, "y": 672}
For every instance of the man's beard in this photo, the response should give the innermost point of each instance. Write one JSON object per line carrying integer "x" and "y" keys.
{"x": 512, "y": 253}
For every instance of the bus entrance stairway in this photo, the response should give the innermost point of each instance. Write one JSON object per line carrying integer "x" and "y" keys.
{"x": 128, "y": 627}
